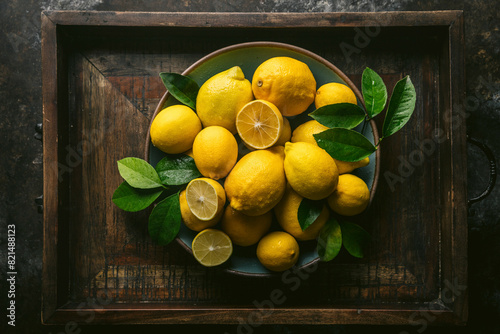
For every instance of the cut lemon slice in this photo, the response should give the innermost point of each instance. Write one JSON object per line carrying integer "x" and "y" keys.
{"x": 205, "y": 198}
{"x": 259, "y": 124}
{"x": 212, "y": 247}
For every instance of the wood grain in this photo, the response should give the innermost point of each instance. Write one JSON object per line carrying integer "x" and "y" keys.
{"x": 101, "y": 87}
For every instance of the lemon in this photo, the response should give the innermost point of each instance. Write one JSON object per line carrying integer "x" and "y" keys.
{"x": 285, "y": 134}
{"x": 205, "y": 198}
{"x": 222, "y": 96}
{"x": 305, "y": 132}
{"x": 215, "y": 152}
{"x": 259, "y": 124}
{"x": 174, "y": 128}
{"x": 278, "y": 251}
{"x": 212, "y": 247}
{"x": 257, "y": 181}
{"x": 332, "y": 93}
{"x": 191, "y": 221}
{"x": 311, "y": 171}
{"x": 287, "y": 83}
{"x": 351, "y": 197}
{"x": 286, "y": 214}
{"x": 347, "y": 167}
{"x": 245, "y": 230}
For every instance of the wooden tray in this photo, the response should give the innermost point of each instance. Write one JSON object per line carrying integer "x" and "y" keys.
{"x": 100, "y": 88}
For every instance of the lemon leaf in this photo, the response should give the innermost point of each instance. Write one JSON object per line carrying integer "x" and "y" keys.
{"x": 139, "y": 173}
{"x": 132, "y": 199}
{"x": 183, "y": 88}
{"x": 177, "y": 169}
{"x": 329, "y": 240}
{"x": 374, "y": 92}
{"x": 308, "y": 212}
{"x": 354, "y": 238}
{"x": 165, "y": 220}
{"x": 339, "y": 115}
{"x": 344, "y": 144}
{"x": 400, "y": 108}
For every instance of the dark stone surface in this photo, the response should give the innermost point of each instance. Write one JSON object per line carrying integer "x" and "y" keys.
{"x": 21, "y": 154}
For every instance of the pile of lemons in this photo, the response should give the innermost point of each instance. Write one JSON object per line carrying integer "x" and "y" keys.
{"x": 280, "y": 170}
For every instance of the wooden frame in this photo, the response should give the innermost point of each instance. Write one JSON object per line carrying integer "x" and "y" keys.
{"x": 58, "y": 29}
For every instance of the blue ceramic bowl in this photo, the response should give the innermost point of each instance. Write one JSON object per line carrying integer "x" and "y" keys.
{"x": 249, "y": 56}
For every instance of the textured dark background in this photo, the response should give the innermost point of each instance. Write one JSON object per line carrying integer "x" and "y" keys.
{"x": 21, "y": 155}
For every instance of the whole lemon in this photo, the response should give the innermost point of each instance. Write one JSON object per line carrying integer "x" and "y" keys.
{"x": 332, "y": 93}
{"x": 257, "y": 181}
{"x": 191, "y": 221}
{"x": 215, "y": 152}
{"x": 305, "y": 132}
{"x": 285, "y": 134}
{"x": 347, "y": 167}
{"x": 174, "y": 128}
{"x": 278, "y": 251}
{"x": 286, "y": 213}
{"x": 310, "y": 170}
{"x": 287, "y": 83}
{"x": 222, "y": 96}
{"x": 245, "y": 230}
{"x": 351, "y": 197}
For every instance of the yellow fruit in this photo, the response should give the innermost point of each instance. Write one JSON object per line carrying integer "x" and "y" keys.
{"x": 305, "y": 132}
{"x": 332, "y": 93}
{"x": 285, "y": 134}
{"x": 222, "y": 96}
{"x": 205, "y": 198}
{"x": 191, "y": 221}
{"x": 286, "y": 214}
{"x": 259, "y": 124}
{"x": 212, "y": 247}
{"x": 278, "y": 251}
{"x": 311, "y": 171}
{"x": 351, "y": 197}
{"x": 245, "y": 230}
{"x": 287, "y": 83}
{"x": 347, "y": 167}
{"x": 215, "y": 152}
{"x": 257, "y": 181}
{"x": 174, "y": 128}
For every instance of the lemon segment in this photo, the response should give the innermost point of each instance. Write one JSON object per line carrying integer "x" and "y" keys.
{"x": 259, "y": 124}
{"x": 205, "y": 198}
{"x": 212, "y": 247}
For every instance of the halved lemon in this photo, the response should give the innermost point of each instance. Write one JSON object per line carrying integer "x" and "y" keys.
{"x": 212, "y": 247}
{"x": 259, "y": 124}
{"x": 205, "y": 198}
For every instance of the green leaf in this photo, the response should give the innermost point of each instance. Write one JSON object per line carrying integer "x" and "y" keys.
{"x": 177, "y": 169}
{"x": 339, "y": 115}
{"x": 139, "y": 173}
{"x": 344, "y": 144}
{"x": 165, "y": 220}
{"x": 329, "y": 240}
{"x": 354, "y": 238}
{"x": 400, "y": 108}
{"x": 132, "y": 199}
{"x": 183, "y": 88}
{"x": 308, "y": 212}
{"x": 374, "y": 92}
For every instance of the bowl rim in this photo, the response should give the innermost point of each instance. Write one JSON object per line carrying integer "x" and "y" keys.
{"x": 290, "y": 47}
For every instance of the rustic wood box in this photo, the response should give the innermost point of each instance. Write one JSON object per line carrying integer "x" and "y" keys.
{"x": 100, "y": 88}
